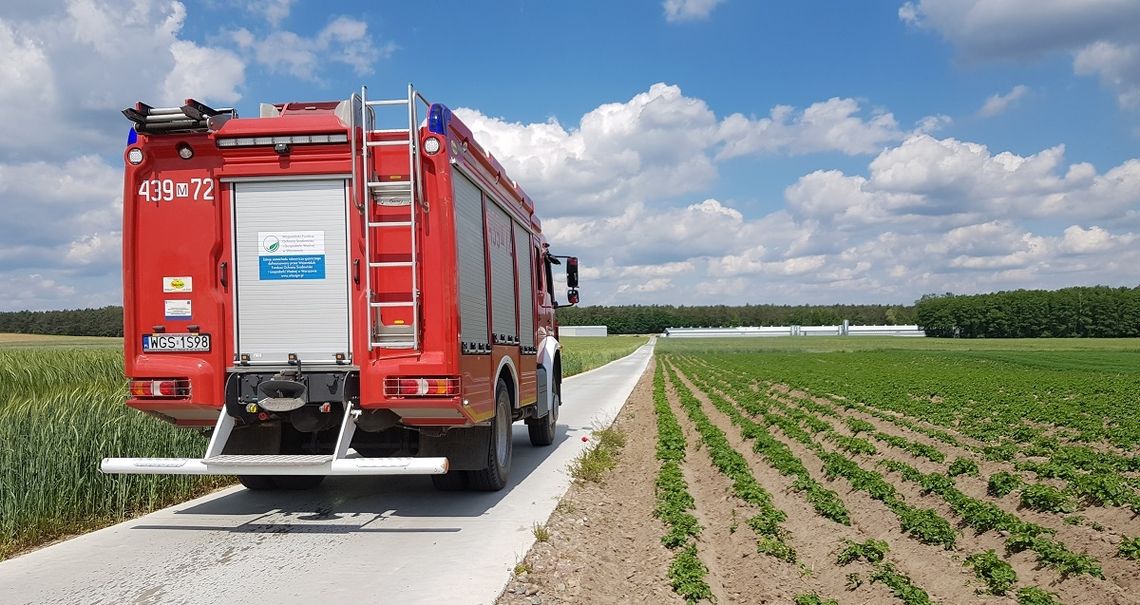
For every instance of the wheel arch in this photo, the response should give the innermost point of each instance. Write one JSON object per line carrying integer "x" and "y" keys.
{"x": 510, "y": 374}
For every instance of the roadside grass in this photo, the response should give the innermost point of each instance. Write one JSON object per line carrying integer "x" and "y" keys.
{"x": 582, "y": 353}
{"x": 593, "y": 464}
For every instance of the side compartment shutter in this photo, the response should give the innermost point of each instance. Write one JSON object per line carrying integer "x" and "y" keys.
{"x": 472, "y": 264}
{"x": 523, "y": 269}
{"x": 502, "y": 275}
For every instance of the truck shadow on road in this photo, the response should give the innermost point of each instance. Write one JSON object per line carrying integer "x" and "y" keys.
{"x": 341, "y": 505}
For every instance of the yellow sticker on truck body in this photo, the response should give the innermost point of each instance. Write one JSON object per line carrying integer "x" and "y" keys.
{"x": 178, "y": 284}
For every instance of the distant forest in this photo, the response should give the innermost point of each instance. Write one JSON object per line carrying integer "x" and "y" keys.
{"x": 107, "y": 321}
{"x": 651, "y": 319}
{"x": 1093, "y": 312}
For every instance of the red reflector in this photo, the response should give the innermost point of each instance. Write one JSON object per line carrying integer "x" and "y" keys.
{"x": 410, "y": 386}
{"x": 166, "y": 387}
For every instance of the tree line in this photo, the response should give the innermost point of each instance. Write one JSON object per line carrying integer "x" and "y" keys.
{"x": 652, "y": 319}
{"x": 105, "y": 321}
{"x": 1093, "y": 312}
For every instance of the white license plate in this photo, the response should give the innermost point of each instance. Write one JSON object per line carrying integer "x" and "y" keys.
{"x": 176, "y": 342}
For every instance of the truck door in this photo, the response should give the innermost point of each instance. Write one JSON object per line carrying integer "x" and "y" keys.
{"x": 291, "y": 266}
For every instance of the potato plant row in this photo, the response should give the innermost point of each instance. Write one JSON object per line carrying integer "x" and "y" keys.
{"x": 1056, "y": 405}
{"x": 767, "y": 521}
{"x": 923, "y": 524}
{"x": 826, "y": 502}
{"x": 686, "y": 572}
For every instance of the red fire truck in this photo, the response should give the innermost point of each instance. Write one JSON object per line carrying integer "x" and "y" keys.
{"x": 306, "y": 283}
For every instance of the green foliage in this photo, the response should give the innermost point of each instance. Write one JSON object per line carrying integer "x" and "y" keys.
{"x": 1000, "y": 453}
{"x": 766, "y": 523}
{"x": 1046, "y": 498}
{"x": 673, "y": 504}
{"x": 1002, "y": 483}
{"x": 854, "y": 445}
{"x": 963, "y": 466}
{"x": 858, "y": 426}
{"x": 1098, "y": 311}
{"x": 541, "y": 532}
{"x": 686, "y": 572}
{"x": 900, "y": 585}
{"x": 687, "y": 576}
{"x": 871, "y": 551}
{"x": 1130, "y": 548}
{"x": 918, "y": 449}
{"x": 991, "y": 569}
{"x": 581, "y": 353}
{"x": 105, "y": 321}
{"x": 61, "y": 412}
{"x": 926, "y": 525}
{"x": 825, "y": 502}
{"x": 593, "y": 464}
{"x": 1033, "y": 595}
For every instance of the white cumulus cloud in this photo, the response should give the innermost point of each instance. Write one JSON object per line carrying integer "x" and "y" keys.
{"x": 998, "y": 103}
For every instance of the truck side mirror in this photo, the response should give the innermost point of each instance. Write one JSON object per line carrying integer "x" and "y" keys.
{"x": 572, "y": 296}
{"x": 572, "y": 273}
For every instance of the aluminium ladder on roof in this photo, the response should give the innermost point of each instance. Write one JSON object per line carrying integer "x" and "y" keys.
{"x": 392, "y": 193}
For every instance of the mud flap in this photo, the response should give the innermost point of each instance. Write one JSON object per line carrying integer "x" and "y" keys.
{"x": 465, "y": 449}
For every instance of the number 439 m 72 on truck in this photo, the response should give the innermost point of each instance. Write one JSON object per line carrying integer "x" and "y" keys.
{"x": 328, "y": 297}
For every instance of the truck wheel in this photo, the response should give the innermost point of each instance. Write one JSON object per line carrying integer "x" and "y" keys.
{"x": 257, "y": 483}
{"x": 494, "y": 476}
{"x": 542, "y": 430}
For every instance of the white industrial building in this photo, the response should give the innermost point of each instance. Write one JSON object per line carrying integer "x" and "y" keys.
{"x": 583, "y": 331}
{"x": 843, "y": 329}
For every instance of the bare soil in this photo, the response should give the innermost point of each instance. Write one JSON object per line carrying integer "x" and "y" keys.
{"x": 605, "y": 544}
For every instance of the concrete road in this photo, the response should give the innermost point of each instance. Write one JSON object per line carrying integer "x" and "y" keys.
{"x": 354, "y": 539}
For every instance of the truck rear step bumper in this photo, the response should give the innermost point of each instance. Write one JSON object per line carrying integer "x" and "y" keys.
{"x": 274, "y": 465}
{"x": 215, "y": 462}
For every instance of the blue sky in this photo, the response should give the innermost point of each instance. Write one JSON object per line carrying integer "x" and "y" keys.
{"x": 690, "y": 151}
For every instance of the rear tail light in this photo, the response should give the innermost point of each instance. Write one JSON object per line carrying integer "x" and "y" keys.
{"x": 160, "y": 388}
{"x": 405, "y": 386}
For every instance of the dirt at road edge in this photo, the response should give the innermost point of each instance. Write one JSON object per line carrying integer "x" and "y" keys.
{"x": 604, "y": 544}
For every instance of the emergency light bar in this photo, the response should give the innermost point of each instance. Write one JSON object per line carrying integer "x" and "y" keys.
{"x": 296, "y": 139}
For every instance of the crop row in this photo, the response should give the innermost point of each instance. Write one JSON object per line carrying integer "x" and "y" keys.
{"x": 983, "y": 517}
{"x": 686, "y": 571}
{"x": 925, "y": 525}
{"x": 1091, "y": 477}
{"x": 767, "y": 521}
{"x": 1000, "y": 398}
{"x": 780, "y": 457}
{"x": 928, "y": 526}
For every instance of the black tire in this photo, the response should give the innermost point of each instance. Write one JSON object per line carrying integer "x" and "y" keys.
{"x": 257, "y": 483}
{"x": 453, "y": 481}
{"x": 543, "y": 430}
{"x": 495, "y": 475}
{"x": 297, "y": 482}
